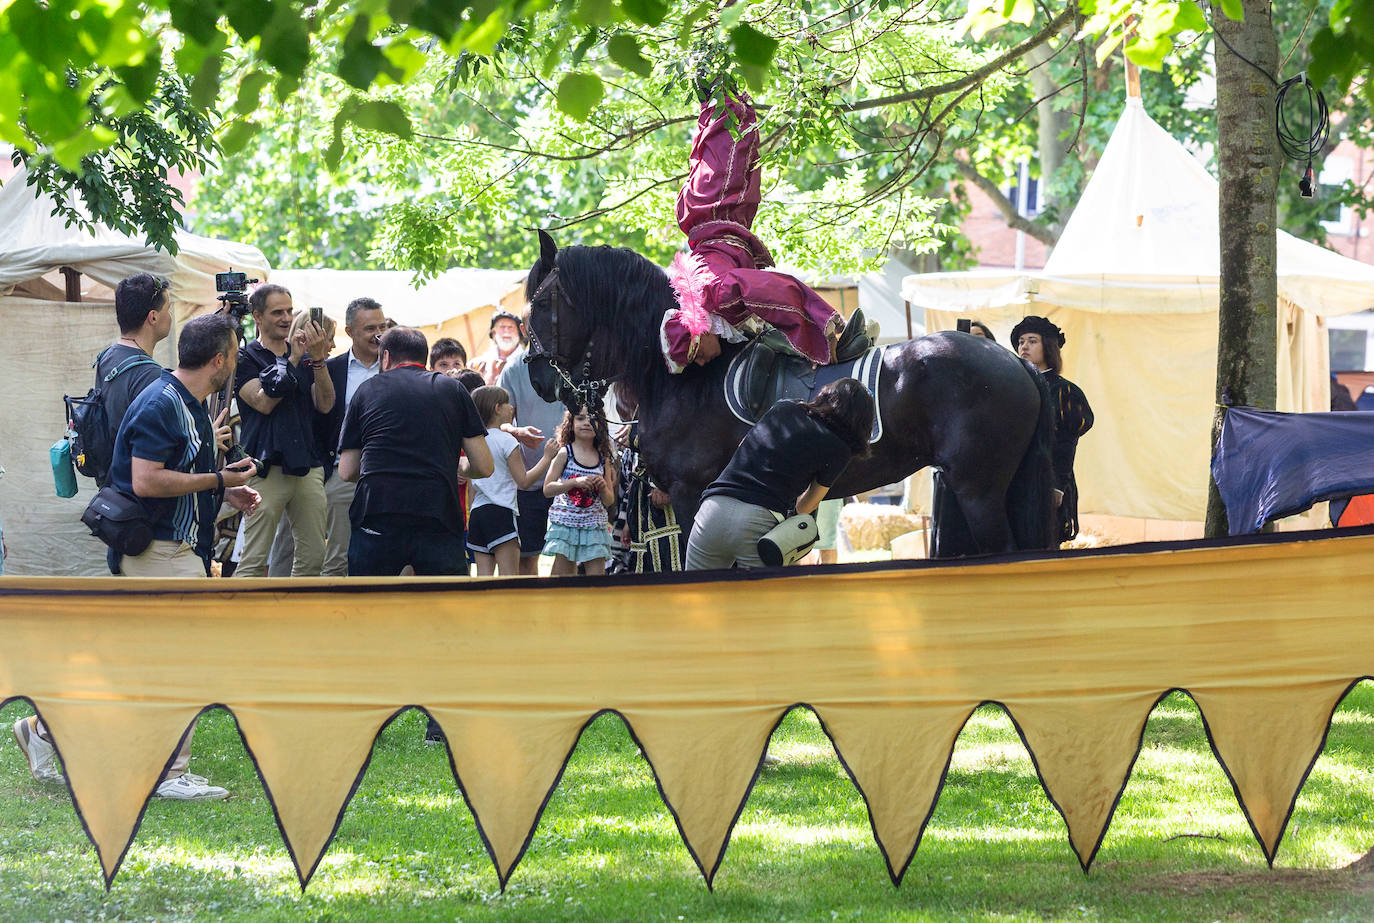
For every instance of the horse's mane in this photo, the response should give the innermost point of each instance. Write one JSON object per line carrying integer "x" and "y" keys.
{"x": 624, "y": 296}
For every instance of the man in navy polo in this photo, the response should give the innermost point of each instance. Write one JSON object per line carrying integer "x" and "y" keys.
{"x": 165, "y": 455}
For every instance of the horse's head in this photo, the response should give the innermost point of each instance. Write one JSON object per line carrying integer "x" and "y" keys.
{"x": 560, "y": 338}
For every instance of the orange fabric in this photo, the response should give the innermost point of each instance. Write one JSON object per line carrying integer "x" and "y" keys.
{"x": 1267, "y": 636}
{"x": 1358, "y": 512}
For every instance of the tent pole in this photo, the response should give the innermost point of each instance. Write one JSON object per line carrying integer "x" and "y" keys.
{"x": 909, "y": 334}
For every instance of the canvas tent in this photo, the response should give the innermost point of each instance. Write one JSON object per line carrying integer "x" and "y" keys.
{"x": 1133, "y": 283}
{"x": 49, "y": 345}
{"x": 458, "y": 303}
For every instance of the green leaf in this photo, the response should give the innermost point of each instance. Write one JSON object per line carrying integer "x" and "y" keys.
{"x": 579, "y": 94}
{"x": 594, "y": 13}
{"x": 70, "y": 151}
{"x": 729, "y": 17}
{"x": 624, "y": 50}
{"x": 141, "y": 78}
{"x": 248, "y": 17}
{"x": 250, "y": 92}
{"x": 361, "y": 60}
{"x": 1234, "y": 9}
{"x": 196, "y": 19}
{"x": 205, "y": 84}
{"x": 1150, "y": 53}
{"x": 649, "y": 12}
{"x": 1331, "y": 57}
{"x": 1190, "y": 18}
{"x": 1022, "y": 11}
{"x": 382, "y": 115}
{"x": 752, "y": 47}
{"x": 285, "y": 43}
{"x": 238, "y": 135}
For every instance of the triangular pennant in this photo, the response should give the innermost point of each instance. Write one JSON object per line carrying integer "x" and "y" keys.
{"x": 114, "y": 755}
{"x": 705, "y": 763}
{"x": 508, "y": 762}
{"x": 1267, "y": 740}
{"x": 897, "y": 755}
{"x": 1083, "y": 749}
{"x": 310, "y": 761}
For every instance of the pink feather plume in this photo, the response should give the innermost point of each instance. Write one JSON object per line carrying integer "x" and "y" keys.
{"x": 690, "y": 277}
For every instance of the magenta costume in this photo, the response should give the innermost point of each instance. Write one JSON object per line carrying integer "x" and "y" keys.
{"x": 725, "y": 287}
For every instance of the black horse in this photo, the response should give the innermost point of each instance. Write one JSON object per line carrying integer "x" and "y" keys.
{"x": 949, "y": 399}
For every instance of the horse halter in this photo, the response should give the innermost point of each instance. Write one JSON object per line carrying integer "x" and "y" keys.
{"x": 587, "y": 392}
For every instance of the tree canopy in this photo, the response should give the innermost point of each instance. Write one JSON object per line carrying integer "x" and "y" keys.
{"x": 419, "y": 133}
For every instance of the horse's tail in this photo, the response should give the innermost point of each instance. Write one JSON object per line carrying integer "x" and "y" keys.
{"x": 1030, "y": 496}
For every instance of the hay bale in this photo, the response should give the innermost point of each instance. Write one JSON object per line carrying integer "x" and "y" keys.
{"x": 873, "y": 526}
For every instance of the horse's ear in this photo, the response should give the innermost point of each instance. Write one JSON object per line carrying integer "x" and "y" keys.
{"x": 548, "y": 252}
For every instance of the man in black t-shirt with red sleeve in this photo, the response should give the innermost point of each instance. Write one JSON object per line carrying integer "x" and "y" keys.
{"x": 402, "y": 437}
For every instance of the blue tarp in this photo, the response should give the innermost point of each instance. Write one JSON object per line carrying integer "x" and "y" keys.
{"x": 1268, "y": 465}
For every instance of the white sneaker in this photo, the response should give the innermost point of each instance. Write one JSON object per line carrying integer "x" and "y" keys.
{"x": 188, "y": 787}
{"x": 40, "y": 753}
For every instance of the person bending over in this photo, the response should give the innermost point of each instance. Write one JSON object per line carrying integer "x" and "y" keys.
{"x": 787, "y": 462}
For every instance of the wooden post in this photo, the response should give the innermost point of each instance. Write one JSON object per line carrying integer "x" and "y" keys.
{"x": 72, "y": 278}
{"x": 1132, "y": 80}
{"x": 909, "y": 334}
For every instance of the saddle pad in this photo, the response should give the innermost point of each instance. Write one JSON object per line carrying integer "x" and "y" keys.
{"x": 801, "y": 383}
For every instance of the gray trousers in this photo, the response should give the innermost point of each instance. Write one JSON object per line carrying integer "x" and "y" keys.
{"x": 726, "y": 532}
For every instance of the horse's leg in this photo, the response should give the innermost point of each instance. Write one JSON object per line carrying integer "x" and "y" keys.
{"x": 986, "y": 515}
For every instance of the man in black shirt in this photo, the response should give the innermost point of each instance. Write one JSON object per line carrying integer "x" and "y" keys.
{"x": 144, "y": 312}
{"x": 281, "y": 386}
{"x": 402, "y": 436}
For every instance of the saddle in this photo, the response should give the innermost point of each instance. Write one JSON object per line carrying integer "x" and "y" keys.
{"x": 769, "y": 370}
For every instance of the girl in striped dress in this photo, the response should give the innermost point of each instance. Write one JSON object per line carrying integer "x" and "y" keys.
{"x": 581, "y": 480}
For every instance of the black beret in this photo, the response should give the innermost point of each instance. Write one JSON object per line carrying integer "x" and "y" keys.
{"x": 1033, "y": 323}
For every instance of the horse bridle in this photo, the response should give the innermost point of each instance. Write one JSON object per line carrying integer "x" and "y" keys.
{"x": 588, "y": 392}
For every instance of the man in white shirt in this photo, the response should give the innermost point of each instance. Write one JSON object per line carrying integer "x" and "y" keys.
{"x": 364, "y": 322}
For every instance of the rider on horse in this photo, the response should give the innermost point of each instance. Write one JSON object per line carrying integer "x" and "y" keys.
{"x": 725, "y": 287}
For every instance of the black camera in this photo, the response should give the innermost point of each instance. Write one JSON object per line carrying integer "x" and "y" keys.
{"x": 236, "y": 454}
{"x": 234, "y": 289}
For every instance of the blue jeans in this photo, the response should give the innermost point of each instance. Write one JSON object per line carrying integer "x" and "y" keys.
{"x": 383, "y": 549}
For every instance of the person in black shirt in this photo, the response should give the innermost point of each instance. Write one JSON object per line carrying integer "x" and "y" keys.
{"x": 1038, "y": 341}
{"x": 402, "y": 436}
{"x": 787, "y": 462}
{"x": 281, "y": 385}
{"x": 144, "y": 311}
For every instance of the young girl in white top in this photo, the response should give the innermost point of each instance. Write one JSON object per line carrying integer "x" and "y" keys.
{"x": 492, "y": 535}
{"x": 582, "y": 482}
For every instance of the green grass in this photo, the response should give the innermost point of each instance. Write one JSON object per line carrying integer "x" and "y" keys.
{"x": 606, "y": 848}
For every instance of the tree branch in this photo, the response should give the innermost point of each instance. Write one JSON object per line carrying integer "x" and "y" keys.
{"x": 1014, "y": 220}
{"x": 1051, "y": 29}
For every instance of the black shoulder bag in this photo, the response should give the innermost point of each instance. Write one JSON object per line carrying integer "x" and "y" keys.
{"x": 120, "y": 521}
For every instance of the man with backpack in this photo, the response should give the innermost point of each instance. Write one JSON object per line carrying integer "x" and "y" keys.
{"x": 122, "y": 371}
{"x": 144, "y": 311}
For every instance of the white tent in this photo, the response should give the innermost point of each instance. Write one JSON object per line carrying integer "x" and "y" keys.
{"x": 1133, "y": 282}
{"x": 457, "y": 303}
{"x": 35, "y": 245}
{"x": 48, "y": 349}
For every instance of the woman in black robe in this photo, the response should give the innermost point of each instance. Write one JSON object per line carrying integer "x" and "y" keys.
{"x": 1039, "y": 341}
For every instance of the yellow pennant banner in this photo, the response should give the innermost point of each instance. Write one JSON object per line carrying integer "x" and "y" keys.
{"x": 1267, "y": 636}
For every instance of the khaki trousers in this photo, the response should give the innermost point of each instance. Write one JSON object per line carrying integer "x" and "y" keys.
{"x": 338, "y": 497}
{"x": 303, "y": 498}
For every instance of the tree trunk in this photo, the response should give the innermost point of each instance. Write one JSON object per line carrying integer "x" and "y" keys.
{"x": 1249, "y": 159}
{"x": 1053, "y": 123}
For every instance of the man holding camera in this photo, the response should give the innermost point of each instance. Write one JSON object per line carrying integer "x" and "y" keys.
{"x": 165, "y": 455}
{"x": 281, "y": 386}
